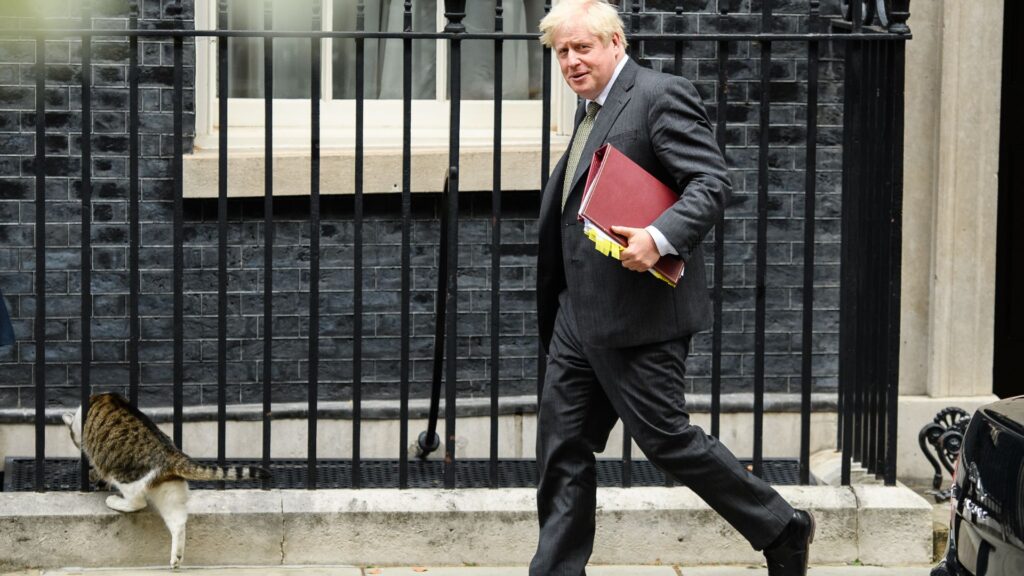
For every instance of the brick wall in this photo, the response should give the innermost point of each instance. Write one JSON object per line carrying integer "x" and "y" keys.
{"x": 381, "y": 234}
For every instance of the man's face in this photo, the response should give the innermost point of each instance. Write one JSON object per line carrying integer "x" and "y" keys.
{"x": 587, "y": 64}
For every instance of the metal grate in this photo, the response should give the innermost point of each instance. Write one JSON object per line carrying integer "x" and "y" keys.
{"x": 62, "y": 474}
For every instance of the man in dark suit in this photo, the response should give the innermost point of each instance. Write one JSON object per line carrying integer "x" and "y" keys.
{"x": 616, "y": 337}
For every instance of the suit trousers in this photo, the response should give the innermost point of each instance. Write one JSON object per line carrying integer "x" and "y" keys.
{"x": 585, "y": 391}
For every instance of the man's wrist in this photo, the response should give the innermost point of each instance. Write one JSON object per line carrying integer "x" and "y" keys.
{"x": 665, "y": 247}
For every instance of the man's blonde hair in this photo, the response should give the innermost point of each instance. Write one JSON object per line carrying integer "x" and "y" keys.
{"x": 598, "y": 16}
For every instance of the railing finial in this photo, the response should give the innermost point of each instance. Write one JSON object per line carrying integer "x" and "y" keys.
{"x": 899, "y": 13}
{"x": 455, "y": 11}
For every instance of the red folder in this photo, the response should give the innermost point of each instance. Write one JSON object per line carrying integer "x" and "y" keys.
{"x": 619, "y": 192}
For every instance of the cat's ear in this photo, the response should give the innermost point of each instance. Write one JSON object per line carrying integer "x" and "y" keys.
{"x": 68, "y": 418}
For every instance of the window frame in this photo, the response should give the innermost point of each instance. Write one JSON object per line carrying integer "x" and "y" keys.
{"x": 383, "y": 119}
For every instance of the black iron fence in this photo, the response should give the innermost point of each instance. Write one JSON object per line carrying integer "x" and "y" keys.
{"x": 872, "y": 37}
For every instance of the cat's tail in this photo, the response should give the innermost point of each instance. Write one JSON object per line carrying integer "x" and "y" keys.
{"x": 192, "y": 470}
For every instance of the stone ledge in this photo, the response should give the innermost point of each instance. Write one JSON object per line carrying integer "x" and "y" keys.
{"x": 447, "y": 527}
{"x": 420, "y": 408}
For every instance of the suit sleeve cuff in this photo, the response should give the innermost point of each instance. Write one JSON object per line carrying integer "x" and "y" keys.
{"x": 665, "y": 248}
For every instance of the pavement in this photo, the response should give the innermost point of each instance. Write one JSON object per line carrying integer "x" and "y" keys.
{"x": 470, "y": 571}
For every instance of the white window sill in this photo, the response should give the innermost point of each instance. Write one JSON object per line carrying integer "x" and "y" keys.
{"x": 382, "y": 162}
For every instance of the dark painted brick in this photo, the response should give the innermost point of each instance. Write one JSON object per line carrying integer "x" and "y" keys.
{"x": 17, "y": 50}
{"x": 110, "y": 98}
{"x": 109, "y": 167}
{"x": 20, "y": 144}
{"x": 110, "y": 51}
{"x": 17, "y": 97}
{"x": 110, "y": 122}
{"x": 109, "y": 76}
{"x": 9, "y": 121}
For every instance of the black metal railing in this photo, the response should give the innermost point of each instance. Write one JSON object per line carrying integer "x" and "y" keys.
{"x": 873, "y": 43}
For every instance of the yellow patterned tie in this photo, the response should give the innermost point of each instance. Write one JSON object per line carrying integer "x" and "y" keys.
{"x": 578, "y": 143}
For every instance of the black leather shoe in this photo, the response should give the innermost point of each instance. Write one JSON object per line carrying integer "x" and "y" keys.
{"x": 788, "y": 555}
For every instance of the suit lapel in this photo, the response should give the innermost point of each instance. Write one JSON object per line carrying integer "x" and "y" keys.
{"x": 617, "y": 100}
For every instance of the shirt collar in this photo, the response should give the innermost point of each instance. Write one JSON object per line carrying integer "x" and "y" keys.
{"x": 608, "y": 87}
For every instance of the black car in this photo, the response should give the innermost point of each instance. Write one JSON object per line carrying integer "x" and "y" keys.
{"x": 986, "y": 532}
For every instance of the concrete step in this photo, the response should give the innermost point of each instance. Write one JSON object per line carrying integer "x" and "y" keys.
{"x": 875, "y": 525}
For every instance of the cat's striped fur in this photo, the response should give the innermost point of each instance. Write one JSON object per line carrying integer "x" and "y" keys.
{"x": 128, "y": 452}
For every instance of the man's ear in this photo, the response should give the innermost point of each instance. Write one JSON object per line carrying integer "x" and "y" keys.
{"x": 68, "y": 418}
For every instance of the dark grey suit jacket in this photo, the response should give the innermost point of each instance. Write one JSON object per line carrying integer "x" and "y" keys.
{"x": 659, "y": 122}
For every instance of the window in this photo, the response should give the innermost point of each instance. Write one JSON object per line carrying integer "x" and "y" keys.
{"x": 383, "y": 69}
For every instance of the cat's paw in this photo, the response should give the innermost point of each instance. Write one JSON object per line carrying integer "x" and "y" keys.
{"x": 117, "y": 503}
{"x": 175, "y": 561}
{"x": 120, "y": 504}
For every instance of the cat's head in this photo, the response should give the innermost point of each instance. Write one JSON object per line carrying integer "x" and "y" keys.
{"x": 74, "y": 423}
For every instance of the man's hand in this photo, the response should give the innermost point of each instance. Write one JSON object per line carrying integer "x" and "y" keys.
{"x": 641, "y": 252}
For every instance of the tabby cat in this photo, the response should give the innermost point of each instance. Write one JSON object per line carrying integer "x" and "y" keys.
{"x": 128, "y": 452}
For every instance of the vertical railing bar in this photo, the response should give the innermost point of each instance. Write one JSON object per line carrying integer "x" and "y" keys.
{"x": 886, "y": 159}
{"x": 848, "y": 272}
{"x": 857, "y": 12}
{"x": 222, "y": 234}
{"x": 627, "y": 459}
{"x": 856, "y": 370}
{"x": 357, "y": 259}
{"x": 178, "y": 233}
{"x": 762, "y": 253}
{"x": 86, "y": 375}
{"x": 880, "y": 209}
{"x": 177, "y": 384}
{"x": 268, "y": 229}
{"x": 635, "y": 53}
{"x": 898, "y": 68}
{"x": 841, "y": 364}
{"x": 861, "y": 210}
{"x": 635, "y": 48}
{"x": 677, "y": 60}
{"x": 722, "y": 98}
{"x": 403, "y": 444}
{"x": 885, "y": 185}
{"x": 810, "y": 190}
{"x": 873, "y": 223}
{"x": 133, "y": 206}
{"x": 451, "y": 311}
{"x": 869, "y": 268}
{"x": 496, "y": 244}
{"x": 177, "y": 330}
{"x": 545, "y": 168}
{"x": 314, "y": 253}
{"x": 40, "y": 279}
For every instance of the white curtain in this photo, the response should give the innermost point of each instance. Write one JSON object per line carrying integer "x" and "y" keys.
{"x": 383, "y": 64}
{"x": 291, "y": 56}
